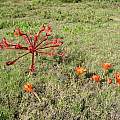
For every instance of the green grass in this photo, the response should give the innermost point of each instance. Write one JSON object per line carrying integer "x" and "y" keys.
{"x": 91, "y": 31}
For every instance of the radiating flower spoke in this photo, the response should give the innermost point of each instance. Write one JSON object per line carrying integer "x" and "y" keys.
{"x": 14, "y": 61}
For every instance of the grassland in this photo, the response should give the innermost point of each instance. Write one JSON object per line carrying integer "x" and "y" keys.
{"x": 91, "y": 32}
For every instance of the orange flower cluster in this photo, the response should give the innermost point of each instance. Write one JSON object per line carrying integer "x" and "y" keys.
{"x": 80, "y": 71}
{"x": 107, "y": 68}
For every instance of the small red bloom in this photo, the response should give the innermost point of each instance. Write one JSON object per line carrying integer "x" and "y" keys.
{"x": 117, "y": 77}
{"x": 80, "y": 70}
{"x": 106, "y": 66}
{"x": 28, "y": 87}
{"x": 18, "y": 32}
{"x": 109, "y": 80}
{"x": 96, "y": 78}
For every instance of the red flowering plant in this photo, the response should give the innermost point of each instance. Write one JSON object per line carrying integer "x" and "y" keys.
{"x": 107, "y": 68}
{"x": 28, "y": 87}
{"x": 43, "y": 43}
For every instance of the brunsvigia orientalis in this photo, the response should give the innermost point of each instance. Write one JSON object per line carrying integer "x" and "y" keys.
{"x": 43, "y": 43}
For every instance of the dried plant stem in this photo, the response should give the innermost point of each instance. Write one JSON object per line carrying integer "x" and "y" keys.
{"x": 36, "y": 95}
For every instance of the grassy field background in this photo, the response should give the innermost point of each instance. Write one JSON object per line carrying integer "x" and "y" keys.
{"x": 91, "y": 31}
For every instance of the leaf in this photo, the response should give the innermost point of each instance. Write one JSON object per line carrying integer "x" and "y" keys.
{"x": 110, "y": 70}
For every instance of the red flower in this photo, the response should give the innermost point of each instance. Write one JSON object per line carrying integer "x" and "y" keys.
{"x": 28, "y": 87}
{"x": 96, "y": 78}
{"x": 18, "y": 32}
{"x": 80, "y": 70}
{"x": 37, "y": 44}
{"x": 106, "y": 66}
{"x": 117, "y": 77}
{"x": 109, "y": 80}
